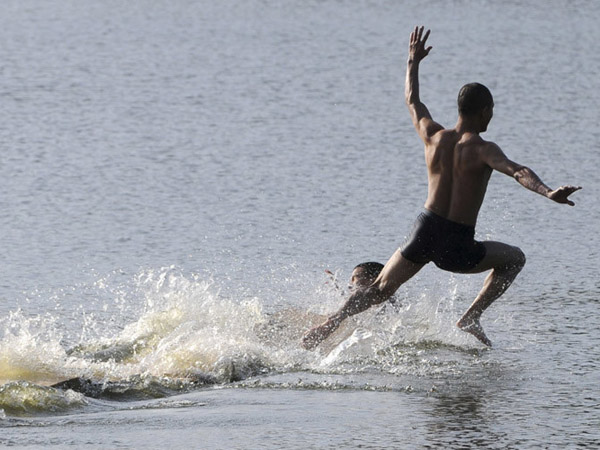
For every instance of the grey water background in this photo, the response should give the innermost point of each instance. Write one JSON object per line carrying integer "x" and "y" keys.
{"x": 256, "y": 143}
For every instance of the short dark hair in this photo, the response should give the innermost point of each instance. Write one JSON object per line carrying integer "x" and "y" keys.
{"x": 473, "y": 98}
{"x": 371, "y": 268}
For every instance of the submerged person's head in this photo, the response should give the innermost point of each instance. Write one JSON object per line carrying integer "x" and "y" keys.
{"x": 365, "y": 274}
{"x": 476, "y": 101}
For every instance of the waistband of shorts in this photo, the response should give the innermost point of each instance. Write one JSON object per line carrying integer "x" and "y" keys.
{"x": 454, "y": 225}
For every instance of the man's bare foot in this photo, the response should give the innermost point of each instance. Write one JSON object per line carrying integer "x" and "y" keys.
{"x": 474, "y": 327}
{"x": 313, "y": 337}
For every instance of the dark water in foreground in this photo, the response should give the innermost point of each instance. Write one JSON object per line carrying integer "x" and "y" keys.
{"x": 177, "y": 175}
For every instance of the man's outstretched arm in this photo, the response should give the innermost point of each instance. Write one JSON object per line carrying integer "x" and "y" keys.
{"x": 421, "y": 118}
{"x": 526, "y": 177}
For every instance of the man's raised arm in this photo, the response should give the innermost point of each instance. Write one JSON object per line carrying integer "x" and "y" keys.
{"x": 497, "y": 160}
{"x": 425, "y": 125}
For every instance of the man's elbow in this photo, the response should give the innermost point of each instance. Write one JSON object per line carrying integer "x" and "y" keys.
{"x": 411, "y": 98}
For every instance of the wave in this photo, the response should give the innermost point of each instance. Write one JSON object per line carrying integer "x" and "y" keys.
{"x": 22, "y": 398}
{"x": 186, "y": 335}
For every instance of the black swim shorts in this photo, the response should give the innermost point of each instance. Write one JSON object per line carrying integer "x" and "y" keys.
{"x": 450, "y": 245}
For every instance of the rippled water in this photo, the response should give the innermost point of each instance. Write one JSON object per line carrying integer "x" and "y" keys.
{"x": 177, "y": 175}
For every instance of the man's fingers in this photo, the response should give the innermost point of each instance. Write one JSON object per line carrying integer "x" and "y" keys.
{"x": 417, "y": 38}
{"x": 426, "y": 36}
{"x": 571, "y": 189}
{"x": 417, "y": 35}
{"x": 562, "y": 194}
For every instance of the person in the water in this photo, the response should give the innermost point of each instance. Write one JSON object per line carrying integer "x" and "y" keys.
{"x": 363, "y": 275}
{"x": 459, "y": 165}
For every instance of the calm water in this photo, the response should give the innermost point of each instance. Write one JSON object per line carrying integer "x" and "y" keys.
{"x": 176, "y": 176}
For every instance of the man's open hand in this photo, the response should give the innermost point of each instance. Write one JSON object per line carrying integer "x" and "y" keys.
{"x": 416, "y": 47}
{"x": 561, "y": 195}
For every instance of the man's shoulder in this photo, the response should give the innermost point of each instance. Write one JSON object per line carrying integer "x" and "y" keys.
{"x": 489, "y": 147}
{"x": 443, "y": 136}
{"x": 478, "y": 143}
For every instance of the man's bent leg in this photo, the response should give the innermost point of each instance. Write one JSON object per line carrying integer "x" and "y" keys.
{"x": 397, "y": 271}
{"x": 505, "y": 262}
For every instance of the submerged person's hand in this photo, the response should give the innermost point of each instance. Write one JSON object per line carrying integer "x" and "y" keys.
{"x": 313, "y": 337}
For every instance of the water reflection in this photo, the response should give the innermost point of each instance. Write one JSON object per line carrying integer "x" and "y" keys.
{"x": 464, "y": 419}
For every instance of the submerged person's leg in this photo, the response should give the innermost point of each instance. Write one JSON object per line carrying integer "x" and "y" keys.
{"x": 505, "y": 262}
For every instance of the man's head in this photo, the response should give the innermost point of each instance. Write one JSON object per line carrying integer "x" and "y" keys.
{"x": 365, "y": 274}
{"x": 475, "y": 101}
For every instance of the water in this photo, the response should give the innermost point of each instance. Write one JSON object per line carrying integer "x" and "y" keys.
{"x": 177, "y": 175}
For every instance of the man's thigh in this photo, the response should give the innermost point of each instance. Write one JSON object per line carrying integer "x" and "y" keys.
{"x": 499, "y": 255}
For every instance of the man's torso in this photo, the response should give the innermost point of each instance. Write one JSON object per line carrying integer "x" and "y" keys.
{"x": 457, "y": 175}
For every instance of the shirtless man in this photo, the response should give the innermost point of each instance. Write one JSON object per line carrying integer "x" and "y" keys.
{"x": 459, "y": 166}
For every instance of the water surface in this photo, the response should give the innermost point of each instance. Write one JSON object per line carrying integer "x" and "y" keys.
{"x": 178, "y": 175}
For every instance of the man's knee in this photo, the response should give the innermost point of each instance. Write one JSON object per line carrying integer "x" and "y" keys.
{"x": 517, "y": 260}
{"x": 520, "y": 258}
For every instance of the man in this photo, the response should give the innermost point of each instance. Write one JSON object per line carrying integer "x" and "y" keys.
{"x": 459, "y": 165}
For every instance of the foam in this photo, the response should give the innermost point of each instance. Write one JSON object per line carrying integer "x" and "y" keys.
{"x": 180, "y": 326}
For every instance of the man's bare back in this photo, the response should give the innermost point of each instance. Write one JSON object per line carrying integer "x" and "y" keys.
{"x": 459, "y": 164}
{"x": 457, "y": 175}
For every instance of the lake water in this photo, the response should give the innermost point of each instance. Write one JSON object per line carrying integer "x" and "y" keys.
{"x": 177, "y": 175}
